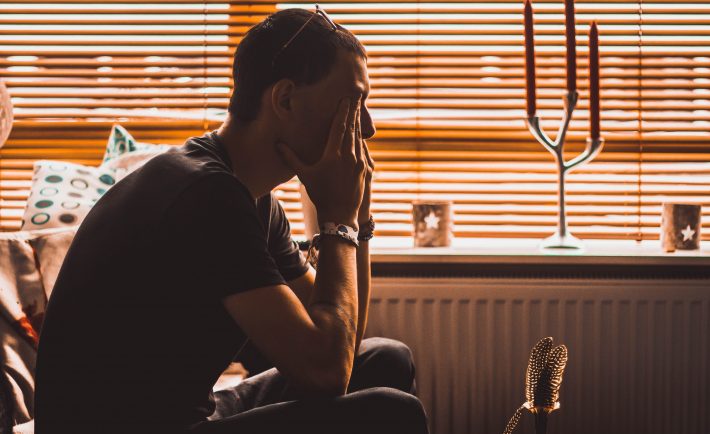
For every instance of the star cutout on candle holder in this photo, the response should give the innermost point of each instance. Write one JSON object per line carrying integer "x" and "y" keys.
{"x": 432, "y": 221}
{"x": 687, "y": 233}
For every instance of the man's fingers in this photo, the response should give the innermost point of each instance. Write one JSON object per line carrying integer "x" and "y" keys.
{"x": 358, "y": 138}
{"x": 338, "y": 127}
{"x": 370, "y": 161}
{"x": 348, "y": 143}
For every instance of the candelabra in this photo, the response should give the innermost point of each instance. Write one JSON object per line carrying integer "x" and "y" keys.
{"x": 562, "y": 238}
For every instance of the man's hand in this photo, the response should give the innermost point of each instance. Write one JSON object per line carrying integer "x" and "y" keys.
{"x": 336, "y": 182}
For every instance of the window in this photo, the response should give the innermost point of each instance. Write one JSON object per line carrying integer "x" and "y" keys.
{"x": 162, "y": 69}
{"x": 447, "y": 96}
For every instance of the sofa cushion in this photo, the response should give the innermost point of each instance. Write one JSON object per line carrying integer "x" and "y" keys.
{"x": 22, "y": 297}
{"x": 124, "y": 154}
{"x": 62, "y": 193}
{"x": 50, "y": 248}
{"x": 22, "y": 307}
{"x": 29, "y": 264}
{"x": 7, "y": 403}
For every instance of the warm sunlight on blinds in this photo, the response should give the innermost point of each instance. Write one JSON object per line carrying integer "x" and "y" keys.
{"x": 161, "y": 68}
{"x": 447, "y": 97}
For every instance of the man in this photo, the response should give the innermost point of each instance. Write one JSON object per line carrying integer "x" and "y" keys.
{"x": 188, "y": 258}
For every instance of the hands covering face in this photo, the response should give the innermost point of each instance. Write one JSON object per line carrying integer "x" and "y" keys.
{"x": 339, "y": 184}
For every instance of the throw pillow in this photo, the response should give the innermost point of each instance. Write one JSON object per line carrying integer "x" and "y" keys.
{"x": 124, "y": 154}
{"x": 119, "y": 142}
{"x": 62, "y": 193}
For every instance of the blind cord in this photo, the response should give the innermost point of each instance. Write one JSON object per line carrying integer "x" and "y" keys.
{"x": 639, "y": 122}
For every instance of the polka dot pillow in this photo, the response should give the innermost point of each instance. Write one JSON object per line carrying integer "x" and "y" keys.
{"x": 63, "y": 193}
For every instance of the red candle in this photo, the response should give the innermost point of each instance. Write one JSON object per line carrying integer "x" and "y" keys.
{"x": 529, "y": 58}
{"x": 571, "y": 47}
{"x": 594, "y": 81}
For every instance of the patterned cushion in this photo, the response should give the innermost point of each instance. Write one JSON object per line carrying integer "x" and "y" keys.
{"x": 62, "y": 193}
{"x": 124, "y": 154}
{"x": 120, "y": 142}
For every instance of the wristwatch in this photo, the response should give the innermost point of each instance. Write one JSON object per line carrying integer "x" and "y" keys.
{"x": 367, "y": 230}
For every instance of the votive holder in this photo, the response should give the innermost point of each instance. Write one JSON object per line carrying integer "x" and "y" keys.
{"x": 433, "y": 223}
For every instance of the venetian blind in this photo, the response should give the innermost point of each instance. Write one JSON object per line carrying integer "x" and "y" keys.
{"x": 74, "y": 68}
{"x": 447, "y": 97}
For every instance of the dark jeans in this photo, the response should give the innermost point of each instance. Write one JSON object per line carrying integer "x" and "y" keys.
{"x": 380, "y": 400}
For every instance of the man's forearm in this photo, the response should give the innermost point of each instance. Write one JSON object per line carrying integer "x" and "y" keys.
{"x": 305, "y": 292}
{"x": 333, "y": 304}
{"x": 363, "y": 289}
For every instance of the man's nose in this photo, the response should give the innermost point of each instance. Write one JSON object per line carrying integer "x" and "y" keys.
{"x": 366, "y": 124}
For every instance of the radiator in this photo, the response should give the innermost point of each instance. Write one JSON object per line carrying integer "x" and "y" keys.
{"x": 639, "y": 350}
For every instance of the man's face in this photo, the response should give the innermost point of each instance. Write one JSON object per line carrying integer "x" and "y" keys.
{"x": 315, "y": 105}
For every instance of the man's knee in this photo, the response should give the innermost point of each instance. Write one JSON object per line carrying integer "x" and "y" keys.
{"x": 386, "y": 362}
{"x": 394, "y": 401}
{"x": 394, "y": 410}
{"x": 390, "y": 352}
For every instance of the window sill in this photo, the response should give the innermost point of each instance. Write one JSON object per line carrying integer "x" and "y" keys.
{"x": 396, "y": 256}
{"x": 510, "y": 250}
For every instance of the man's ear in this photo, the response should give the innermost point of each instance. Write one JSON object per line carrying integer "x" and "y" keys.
{"x": 281, "y": 98}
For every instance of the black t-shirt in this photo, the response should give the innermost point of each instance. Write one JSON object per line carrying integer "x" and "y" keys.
{"x": 135, "y": 331}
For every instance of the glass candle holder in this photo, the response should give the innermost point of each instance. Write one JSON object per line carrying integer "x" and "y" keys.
{"x": 433, "y": 223}
{"x": 680, "y": 226}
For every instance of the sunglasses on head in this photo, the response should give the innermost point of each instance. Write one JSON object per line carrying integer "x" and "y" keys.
{"x": 318, "y": 11}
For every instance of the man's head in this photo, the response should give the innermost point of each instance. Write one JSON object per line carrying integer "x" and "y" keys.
{"x": 299, "y": 84}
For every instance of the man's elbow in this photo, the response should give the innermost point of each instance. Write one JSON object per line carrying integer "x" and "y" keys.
{"x": 330, "y": 385}
{"x": 330, "y": 361}
{"x": 329, "y": 380}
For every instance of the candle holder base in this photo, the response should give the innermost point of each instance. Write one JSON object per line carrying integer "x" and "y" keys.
{"x": 563, "y": 242}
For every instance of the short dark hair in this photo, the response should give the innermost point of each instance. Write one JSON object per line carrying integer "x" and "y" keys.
{"x": 306, "y": 60}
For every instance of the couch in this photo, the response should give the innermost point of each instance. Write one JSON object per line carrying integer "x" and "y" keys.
{"x": 29, "y": 264}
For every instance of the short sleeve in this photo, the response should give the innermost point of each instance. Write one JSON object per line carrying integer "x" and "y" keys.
{"x": 289, "y": 259}
{"x": 216, "y": 228}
